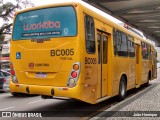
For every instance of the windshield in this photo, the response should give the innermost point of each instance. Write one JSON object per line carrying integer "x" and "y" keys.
{"x": 45, "y": 23}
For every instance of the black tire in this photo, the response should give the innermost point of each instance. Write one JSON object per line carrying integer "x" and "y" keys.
{"x": 122, "y": 88}
{"x": 147, "y": 83}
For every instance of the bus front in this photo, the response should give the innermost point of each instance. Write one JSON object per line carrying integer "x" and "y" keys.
{"x": 44, "y": 52}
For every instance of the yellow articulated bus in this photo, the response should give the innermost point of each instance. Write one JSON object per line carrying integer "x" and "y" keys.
{"x": 68, "y": 51}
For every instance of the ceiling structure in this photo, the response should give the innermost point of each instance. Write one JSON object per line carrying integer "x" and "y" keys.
{"x": 143, "y": 15}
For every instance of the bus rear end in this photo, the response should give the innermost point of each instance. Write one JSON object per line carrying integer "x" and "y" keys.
{"x": 44, "y": 52}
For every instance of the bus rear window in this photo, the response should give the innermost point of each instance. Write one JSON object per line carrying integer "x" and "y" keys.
{"x": 45, "y": 23}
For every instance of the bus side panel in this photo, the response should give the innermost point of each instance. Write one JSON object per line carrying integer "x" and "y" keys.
{"x": 89, "y": 67}
{"x": 154, "y": 63}
{"x": 145, "y": 70}
{"x": 132, "y": 73}
{"x": 120, "y": 67}
{"x": 54, "y": 66}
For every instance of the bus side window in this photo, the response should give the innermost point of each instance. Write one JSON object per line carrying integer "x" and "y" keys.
{"x": 89, "y": 34}
{"x": 145, "y": 50}
{"x": 99, "y": 54}
{"x": 131, "y": 46}
{"x": 105, "y": 47}
{"x": 122, "y": 44}
{"x": 115, "y": 41}
{"x": 149, "y": 52}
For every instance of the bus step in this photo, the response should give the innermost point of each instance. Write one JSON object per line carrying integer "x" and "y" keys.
{"x": 103, "y": 98}
{"x": 137, "y": 86}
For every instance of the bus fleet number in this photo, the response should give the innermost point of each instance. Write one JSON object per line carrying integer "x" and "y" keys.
{"x": 62, "y": 52}
{"x": 90, "y": 61}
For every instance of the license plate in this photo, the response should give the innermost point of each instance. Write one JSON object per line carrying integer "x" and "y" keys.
{"x": 41, "y": 75}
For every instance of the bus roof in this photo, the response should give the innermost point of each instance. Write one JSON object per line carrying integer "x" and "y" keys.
{"x": 113, "y": 24}
{"x": 92, "y": 13}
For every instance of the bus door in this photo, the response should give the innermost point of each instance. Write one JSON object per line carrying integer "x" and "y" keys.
{"x": 154, "y": 64}
{"x": 138, "y": 65}
{"x": 102, "y": 63}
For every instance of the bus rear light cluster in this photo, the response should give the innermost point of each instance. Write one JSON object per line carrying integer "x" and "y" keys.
{"x": 12, "y": 72}
{"x": 13, "y": 75}
{"x": 74, "y": 74}
{"x": 75, "y": 67}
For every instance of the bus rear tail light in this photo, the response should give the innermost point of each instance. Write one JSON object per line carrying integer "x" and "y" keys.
{"x": 75, "y": 5}
{"x": 13, "y": 74}
{"x": 74, "y": 75}
{"x": 75, "y": 67}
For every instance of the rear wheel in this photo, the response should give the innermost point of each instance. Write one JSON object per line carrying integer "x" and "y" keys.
{"x": 147, "y": 83}
{"x": 122, "y": 89}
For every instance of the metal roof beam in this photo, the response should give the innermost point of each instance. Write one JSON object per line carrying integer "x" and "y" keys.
{"x": 145, "y": 23}
{"x": 126, "y": 10}
{"x": 100, "y": 7}
{"x": 143, "y": 14}
{"x": 104, "y": 1}
{"x": 151, "y": 16}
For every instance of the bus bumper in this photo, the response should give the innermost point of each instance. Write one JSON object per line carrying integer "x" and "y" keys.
{"x": 46, "y": 90}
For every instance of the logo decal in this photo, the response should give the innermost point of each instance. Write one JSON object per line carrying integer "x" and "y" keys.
{"x": 31, "y": 65}
{"x": 66, "y": 31}
{"x": 18, "y": 55}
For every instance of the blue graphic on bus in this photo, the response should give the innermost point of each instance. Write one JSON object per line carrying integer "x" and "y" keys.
{"x": 18, "y": 55}
{"x": 49, "y": 22}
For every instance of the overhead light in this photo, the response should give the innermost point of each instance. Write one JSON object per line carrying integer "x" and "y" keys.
{"x": 139, "y": 11}
{"x": 153, "y": 27}
{"x": 156, "y": 31}
{"x": 157, "y": 8}
{"x": 149, "y": 20}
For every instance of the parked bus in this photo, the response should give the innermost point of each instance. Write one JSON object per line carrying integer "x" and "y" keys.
{"x": 66, "y": 50}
